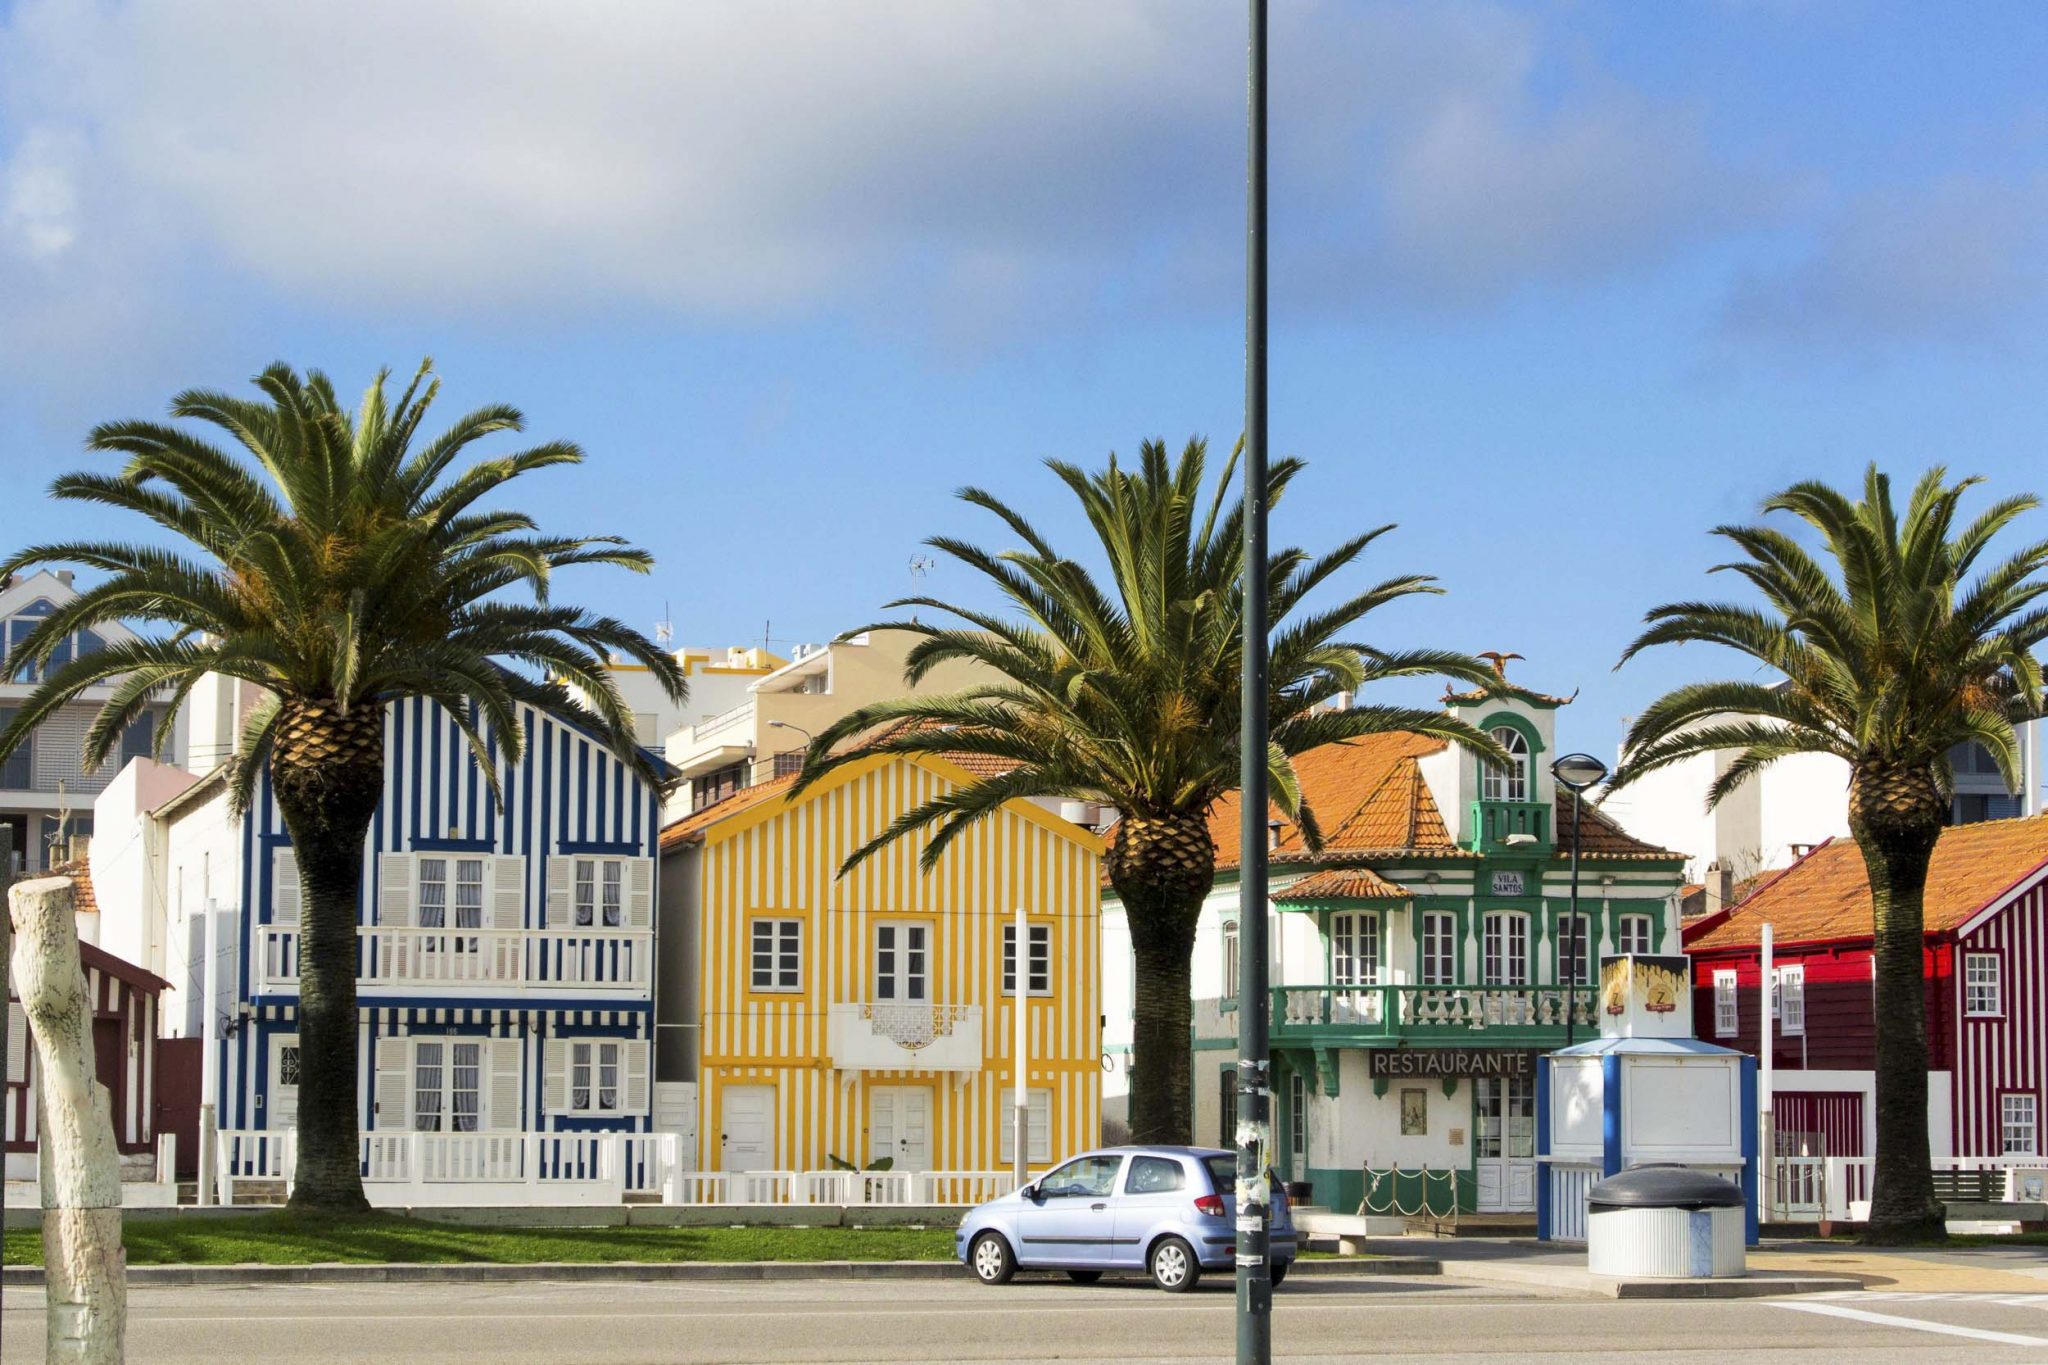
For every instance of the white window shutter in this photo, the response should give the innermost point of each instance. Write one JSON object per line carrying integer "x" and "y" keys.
{"x": 639, "y": 893}
{"x": 634, "y": 1063}
{"x": 554, "y": 1090}
{"x": 395, "y": 890}
{"x": 503, "y": 1114}
{"x": 560, "y": 870}
{"x": 394, "y": 1084}
{"x": 17, "y": 1043}
{"x": 508, "y": 891}
{"x": 284, "y": 886}
{"x": 1038, "y": 1125}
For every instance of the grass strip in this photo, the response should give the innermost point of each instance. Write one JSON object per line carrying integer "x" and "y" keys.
{"x": 297, "y": 1239}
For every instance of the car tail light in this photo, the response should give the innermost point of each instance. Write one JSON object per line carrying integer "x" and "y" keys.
{"x": 1210, "y": 1204}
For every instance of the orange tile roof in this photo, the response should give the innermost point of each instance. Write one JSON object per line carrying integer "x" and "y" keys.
{"x": 1599, "y": 836}
{"x": 1367, "y": 794}
{"x": 1344, "y": 884}
{"x": 83, "y": 901}
{"x": 1826, "y": 894}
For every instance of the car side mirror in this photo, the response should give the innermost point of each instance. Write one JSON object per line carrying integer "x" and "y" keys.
{"x": 1031, "y": 1192}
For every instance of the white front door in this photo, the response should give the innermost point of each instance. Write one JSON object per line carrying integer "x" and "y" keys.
{"x": 1504, "y": 1137}
{"x": 899, "y": 1127}
{"x": 902, "y": 963}
{"x": 283, "y": 1099}
{"x": 747, "y": 1139}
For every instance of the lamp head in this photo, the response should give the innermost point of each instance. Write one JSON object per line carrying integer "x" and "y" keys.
{"x": 1578, "y": 771}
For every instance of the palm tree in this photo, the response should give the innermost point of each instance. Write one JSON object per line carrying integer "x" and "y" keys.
{"x": 336, "y": 568}
{"x": 1128, "y": 694}
{"x": 1886, "y": 659}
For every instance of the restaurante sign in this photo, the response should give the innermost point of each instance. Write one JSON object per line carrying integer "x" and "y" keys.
{"x": 1449, "y": 1061}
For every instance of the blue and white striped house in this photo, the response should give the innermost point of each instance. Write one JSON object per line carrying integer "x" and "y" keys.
{"x": 507, "y": 953}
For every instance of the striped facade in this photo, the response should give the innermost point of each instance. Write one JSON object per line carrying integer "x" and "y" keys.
{"x": 809, "y": 1058}
{"x": 2006, "y": 1052}
{"x": 495, "y": 936}
{"x": 124, "y": 1001}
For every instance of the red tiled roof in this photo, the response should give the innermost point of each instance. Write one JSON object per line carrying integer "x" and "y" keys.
{"x": 1599, "y": 836}
{"x": 1826, "y": 894}
{"x": 1344, "y": 884}
{"x": 82, "y": 898}
{"x": 1367, "y": 794}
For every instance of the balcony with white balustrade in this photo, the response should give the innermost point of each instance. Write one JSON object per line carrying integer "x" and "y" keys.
{"x": 903, "y": 1036}
{"x": 580, "y": 962}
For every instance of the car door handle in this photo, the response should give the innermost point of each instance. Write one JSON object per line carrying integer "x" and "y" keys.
{"x": 1098, "y": 1206}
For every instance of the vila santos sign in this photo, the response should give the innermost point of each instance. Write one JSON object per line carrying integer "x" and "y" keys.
{"x": 1450, "y": 1062}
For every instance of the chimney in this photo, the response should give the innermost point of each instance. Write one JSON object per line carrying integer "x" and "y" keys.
{"x": 1720, "y": 886}
{"x": 1273, "y": 834}
{"x": 64, "y": 576}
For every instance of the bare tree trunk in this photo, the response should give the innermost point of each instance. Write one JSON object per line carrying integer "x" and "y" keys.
{"x": 84, "y": 1267}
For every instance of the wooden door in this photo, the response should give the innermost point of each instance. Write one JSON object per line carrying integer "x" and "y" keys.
{"x": 176, "y": 1098}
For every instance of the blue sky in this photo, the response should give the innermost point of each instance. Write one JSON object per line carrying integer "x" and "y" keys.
{"x": 1557, "y": 286}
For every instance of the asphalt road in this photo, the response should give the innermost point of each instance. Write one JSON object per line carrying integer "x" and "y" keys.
{"x": 1033, "y": 1319}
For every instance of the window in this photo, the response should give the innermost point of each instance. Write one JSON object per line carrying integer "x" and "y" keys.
{"x": 597, "y": 892}
{"x": 778, "y": 955}
{"x": 708, "y": 789}
{"x": 288, "y": 1064}
{"x": 1982, "y": 991}
{"x": 1088, "y": 1177}
{"x": 1792, "y": 1000}
{"x": 1037, "y": 1127}
{"x": 1635, "y": 934}
{"x": 1510, "y": 783}
{"x": 1226, "y": 1110}
{"x": 1354, "y": 948}
{"x": 593, "y": 1077}
{"x": 445, "y": 1086}
{"x": 1574, "y": 957}
{"x": 902, "y": 953}
{"x": 1230, "y": 960}
{"x": 468, "y": 898}
{"x": 2019, "y": 1124}
{"x": 18, "y": 772}
{"x": 1439, "y": 949}
{"x": 136, "y": 740}
{"x": 1726, "y": 1021}
{"x": 1507, "y": 949}
{"x": 1155, "y": 1175}
{"x": 76, "y": 645}
{"x": 1038, "y": 969}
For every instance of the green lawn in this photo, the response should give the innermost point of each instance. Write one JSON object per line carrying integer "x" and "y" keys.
{"x": 290, "y": 1239}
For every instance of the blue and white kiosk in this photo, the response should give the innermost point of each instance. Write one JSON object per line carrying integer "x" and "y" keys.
{"x": 1645, "y": 1091}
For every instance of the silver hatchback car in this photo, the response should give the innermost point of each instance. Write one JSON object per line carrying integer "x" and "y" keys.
{"x": 1165, "y": 1211}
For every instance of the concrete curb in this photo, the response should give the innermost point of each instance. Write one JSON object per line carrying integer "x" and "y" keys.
{"x": 640, "y": 1272}
{"x": 1579, "y": 1281}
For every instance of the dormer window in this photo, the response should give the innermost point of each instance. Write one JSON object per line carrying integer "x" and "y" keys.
{"x": 1510, "y": 782}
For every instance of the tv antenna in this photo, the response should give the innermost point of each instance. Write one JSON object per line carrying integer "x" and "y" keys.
{"x": 665, "y": 628}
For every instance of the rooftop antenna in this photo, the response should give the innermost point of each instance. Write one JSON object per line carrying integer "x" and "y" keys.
{"x": 920, "y": 565}
{"x": 665, "y": 628}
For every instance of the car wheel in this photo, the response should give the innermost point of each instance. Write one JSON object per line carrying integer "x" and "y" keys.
{"x": 1084, "y": 1276}
{"x": 991, "y": 1259}
{"x": 1174, "y": 1267}
{"x": 1280, "y": 1269}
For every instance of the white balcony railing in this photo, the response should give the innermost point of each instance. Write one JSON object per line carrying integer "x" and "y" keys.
{"x": 600, "y": 961}
{"x": 891, "y": 1035}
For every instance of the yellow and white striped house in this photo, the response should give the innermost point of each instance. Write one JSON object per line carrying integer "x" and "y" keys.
{"x": 871, "y": 1016}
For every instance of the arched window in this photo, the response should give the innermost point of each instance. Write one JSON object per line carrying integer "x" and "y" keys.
{"x": 1510, "y": 783}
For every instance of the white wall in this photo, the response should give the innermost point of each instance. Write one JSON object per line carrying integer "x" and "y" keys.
{"x": 1800, "y": 800}
{"x": 1367, "y": 1130}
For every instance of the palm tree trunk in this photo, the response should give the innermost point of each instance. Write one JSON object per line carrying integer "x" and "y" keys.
{"x": 1162, "y": 869}
{"x": 328, "y": 771}
{"x": 1896, "y": 818}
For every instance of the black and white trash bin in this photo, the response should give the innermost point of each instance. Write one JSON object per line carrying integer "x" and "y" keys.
{"x": 1665, "y": 1222}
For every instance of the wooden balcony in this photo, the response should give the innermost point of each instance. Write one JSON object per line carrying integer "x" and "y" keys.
{"x": 1471, "y": 1016}
{"x": 475, "y": 961}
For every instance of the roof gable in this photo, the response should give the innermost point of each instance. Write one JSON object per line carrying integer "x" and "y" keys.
{"x": 1825, "y": 896}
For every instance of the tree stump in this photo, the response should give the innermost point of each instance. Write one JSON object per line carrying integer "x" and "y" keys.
{"x": 84, "y": 1267}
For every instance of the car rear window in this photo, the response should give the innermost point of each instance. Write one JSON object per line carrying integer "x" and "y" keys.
{"x": 1222, "y": 1173}
{"x": 1154, "y": 1175}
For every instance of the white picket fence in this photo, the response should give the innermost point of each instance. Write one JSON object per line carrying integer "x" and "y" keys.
{"x": 1838, "y": 1187}
{"x": 488, "y": 1169}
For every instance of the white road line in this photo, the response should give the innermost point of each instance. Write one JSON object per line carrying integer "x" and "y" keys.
{"x": 1913, "y": 1324}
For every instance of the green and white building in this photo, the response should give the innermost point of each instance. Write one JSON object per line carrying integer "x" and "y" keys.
{"x": 1418, "y": 962}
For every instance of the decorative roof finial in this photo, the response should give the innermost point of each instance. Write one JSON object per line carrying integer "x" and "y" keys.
{"x": 1499, "y": 662}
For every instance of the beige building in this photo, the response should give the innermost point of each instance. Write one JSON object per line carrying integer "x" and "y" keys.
{"x": 764, "y": 736}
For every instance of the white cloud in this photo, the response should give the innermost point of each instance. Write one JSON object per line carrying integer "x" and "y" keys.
{"x": 980, "y": 158}
{"x": 39, "y": 196}
{"x": 1955, "y": 260}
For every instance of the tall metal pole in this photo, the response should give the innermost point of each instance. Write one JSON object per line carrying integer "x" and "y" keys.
{"x": 1254, "y": 1085}
{"x": 1020, "y": 1065}
{"x": 1571, "y": 938}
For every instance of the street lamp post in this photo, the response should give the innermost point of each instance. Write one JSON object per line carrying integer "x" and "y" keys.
{"x": 1576, "y": 772}
{"x": 1254, "y": 1136}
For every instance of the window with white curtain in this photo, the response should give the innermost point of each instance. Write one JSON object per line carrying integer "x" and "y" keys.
{"x": 447, "y": 1086}
{"x": 2019, "y": 1122}
{"x": 1982, "y": 990}
{"x": 1439, "y": 949}
{"x": 1727, "y": 1020}
{"x": 1355, "y": 948}
{"x": 1792, "y": 1000}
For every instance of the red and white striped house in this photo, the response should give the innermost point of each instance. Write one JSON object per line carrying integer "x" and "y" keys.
{"x": 124, "y": 1035}
{"x": 1986, "y": 974}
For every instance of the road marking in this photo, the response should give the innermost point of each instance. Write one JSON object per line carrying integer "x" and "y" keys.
{"x": 1913, "y": 1324}
{"x": 1937, "y": 1296}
